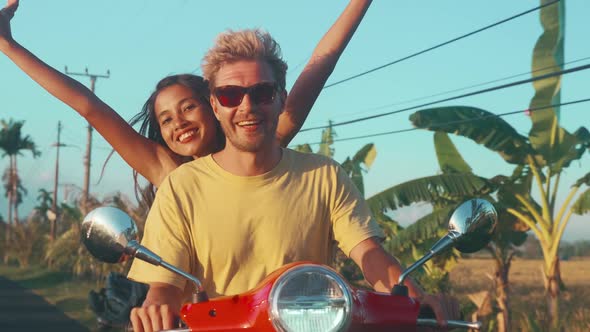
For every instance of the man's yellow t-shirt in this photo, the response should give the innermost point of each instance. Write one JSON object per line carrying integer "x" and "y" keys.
{"x": 231, "y": 231}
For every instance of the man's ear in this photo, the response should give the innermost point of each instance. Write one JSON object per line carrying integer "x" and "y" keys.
{"x": 213, "y": 102}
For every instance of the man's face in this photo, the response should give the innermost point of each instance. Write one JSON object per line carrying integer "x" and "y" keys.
{"x": 247, "y": 104}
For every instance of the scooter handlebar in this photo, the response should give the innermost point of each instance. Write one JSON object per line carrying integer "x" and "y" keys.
{"x": 451, "y": 324}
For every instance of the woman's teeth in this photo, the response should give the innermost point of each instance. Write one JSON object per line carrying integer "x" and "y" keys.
{"x": 186, "y": 135}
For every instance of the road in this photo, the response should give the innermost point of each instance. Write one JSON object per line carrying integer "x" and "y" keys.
{"x": 21, "y": 310}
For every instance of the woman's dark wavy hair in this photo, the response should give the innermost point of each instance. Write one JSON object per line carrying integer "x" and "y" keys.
{"x": 150, "y": 127}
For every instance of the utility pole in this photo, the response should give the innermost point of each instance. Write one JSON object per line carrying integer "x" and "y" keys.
{"x": 52, "y": 216}
{"x": 86, "y": 189}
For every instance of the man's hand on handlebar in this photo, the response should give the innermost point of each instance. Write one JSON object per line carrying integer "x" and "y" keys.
{"x": 160, "y": 309}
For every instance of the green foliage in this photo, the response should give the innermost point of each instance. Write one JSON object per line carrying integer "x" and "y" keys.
{"x": 548, "y": 140}
{"x": 303, "y": 148}
{"x": 438, "y": 190}
{"x": 423, "y": 231}
{"x": 11, "y": 140}
{"x": 582, "y": 204}
{"x": 449, "y": 158}
{"x": 12, "y": 181}
{"x": 326, "y": 148}
{"x": 434, "y": 276}
{"x": 354, "y": 166}
{"x": 481, "y": 126}
{"x": 583, "y": 180}
{"x": 25, "y": 238}
{"x": 541, "y": 157}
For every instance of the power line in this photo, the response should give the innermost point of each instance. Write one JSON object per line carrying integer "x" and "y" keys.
{"x": 459, "y": 121}
{"x": 441, "y": 44}
{"x": 499, "y": 87}
{"x": 561, "y": 65}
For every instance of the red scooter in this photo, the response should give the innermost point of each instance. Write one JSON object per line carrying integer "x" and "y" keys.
{"x": 300, "y": 296}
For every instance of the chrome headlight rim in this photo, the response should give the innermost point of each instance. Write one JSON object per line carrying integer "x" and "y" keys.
{"x": 308, "y": 268}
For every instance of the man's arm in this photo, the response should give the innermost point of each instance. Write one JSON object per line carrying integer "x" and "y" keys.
{"x": 159, "y": 310}
{"x": 382, "y": 271}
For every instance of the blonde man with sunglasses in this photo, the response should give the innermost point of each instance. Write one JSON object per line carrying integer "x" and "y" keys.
{"x": 235, "y": 216}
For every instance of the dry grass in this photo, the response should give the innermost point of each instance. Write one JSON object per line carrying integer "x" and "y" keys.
{"x": 527, "y": 293}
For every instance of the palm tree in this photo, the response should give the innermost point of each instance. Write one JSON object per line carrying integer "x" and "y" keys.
{"x": 13, "y": 143}
{"x": 45, "y": 200}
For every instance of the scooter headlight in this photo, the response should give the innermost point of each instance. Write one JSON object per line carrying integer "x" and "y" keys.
{"x": 310, "y": 298}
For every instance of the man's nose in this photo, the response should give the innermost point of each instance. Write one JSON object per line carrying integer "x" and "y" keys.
{"x": 246, "y": 106}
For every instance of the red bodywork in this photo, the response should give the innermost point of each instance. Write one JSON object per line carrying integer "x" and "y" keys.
{"x": 250, "y": 311}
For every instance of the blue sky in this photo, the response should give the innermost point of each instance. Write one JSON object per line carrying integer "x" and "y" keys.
{"x": 141, "y": 41}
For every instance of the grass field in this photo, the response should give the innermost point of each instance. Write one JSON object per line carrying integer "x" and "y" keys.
{"x": 527, "y": 293}
{"x": 469, "y": 276}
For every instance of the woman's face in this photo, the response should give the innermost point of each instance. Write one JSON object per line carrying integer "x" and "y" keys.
{"x": 187, "y": 123}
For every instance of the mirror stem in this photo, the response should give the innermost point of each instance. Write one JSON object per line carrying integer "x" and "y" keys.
{"x": 149, "y": 256}
{"x": 441, "y": 245}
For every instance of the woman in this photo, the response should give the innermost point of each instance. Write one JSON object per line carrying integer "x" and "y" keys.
{"x": 177, "y": 122}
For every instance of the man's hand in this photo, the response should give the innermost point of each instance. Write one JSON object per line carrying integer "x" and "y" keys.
{"x": 159, "y": 310}
{"x": 382, "y": 271}
{"x": 152, "y": 318}
{"x": 445, "y": 307}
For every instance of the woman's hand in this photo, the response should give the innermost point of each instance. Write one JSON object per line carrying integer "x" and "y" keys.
{"x": 6, "y": 15}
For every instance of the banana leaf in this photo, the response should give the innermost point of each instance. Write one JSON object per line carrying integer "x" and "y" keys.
{"x": 438, "y": 189}
{"x": 353, "y": 167}
{"x": 545, "y": 135}
{"x": 582, "y": 204}
{"x": 583, "y": 180}
{"x": 426, "y": 228}
{"x": 478, "y": 125}
{"x": 577, "y": 144}
{"x": 303, "y": 148}
{"x": 327, "y": 141}
{"x": 449, "y": 158}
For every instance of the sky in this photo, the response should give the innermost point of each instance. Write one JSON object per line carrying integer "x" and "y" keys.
{"x": 141, "y": 41}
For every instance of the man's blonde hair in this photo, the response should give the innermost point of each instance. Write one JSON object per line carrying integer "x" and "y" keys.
{"x": 249, "y": 44}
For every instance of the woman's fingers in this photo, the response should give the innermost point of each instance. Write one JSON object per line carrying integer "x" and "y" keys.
{"x": 10, "y": 9}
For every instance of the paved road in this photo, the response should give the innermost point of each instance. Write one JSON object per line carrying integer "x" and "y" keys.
{"x": 21, "y": 310}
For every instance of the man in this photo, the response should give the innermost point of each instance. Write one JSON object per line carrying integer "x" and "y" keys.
{"x": 233, "y": 217}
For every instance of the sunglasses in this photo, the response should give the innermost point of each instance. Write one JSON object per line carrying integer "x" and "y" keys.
{"x": 232, "y": 95}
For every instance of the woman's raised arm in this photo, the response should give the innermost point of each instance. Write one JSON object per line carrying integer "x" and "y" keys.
{"x": 148, "y": 158}
{"x": 312, "y": 79}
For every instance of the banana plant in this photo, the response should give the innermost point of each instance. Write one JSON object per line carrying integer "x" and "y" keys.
{"x": 537, "y": 161}
{"x": 443, "y": 192}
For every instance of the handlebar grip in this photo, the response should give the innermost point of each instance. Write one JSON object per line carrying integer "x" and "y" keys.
{"x": 451, "y": 324}
{"x": 180, "y": 329}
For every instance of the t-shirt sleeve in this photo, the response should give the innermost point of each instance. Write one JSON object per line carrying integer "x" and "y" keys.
{"x": 166, "y": 233}
{"x": 351, "y": 218}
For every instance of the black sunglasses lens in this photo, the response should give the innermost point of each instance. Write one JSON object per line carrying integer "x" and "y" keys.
{"x": 232, "y": 95}
{"x": 262, "y": 93}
